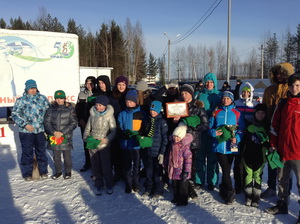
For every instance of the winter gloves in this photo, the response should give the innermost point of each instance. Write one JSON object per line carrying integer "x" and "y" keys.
{"x": 92, "y": 143}
{"x": 160, "y": 159}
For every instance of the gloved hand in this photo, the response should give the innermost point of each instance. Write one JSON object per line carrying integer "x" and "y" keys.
{"x": 160, "y": 159}
{"x": 185, "y": 176}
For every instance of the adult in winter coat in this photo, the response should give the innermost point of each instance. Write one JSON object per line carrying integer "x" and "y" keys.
{"x": 60, "y": 121}
{"x": 156, "y": 128}
{"x": 101, "y": 126}
{"x": 28, "y": 113}
{"x": 285, "y": 138}
{"x": 119, "y": 92}
{"x": 245, "y": 105}
{"x": 207, "y": 162}
{"x": 278, "y": 76}
{"x": 223, "y": 116}
{"x": 195, "y": 108}
{"x": 83, "y": 115}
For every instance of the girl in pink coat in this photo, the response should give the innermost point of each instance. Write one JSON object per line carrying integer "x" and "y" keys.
{"x": 180, "y": 164}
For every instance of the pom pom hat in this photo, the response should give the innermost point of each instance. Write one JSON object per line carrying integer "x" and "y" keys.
{"x": 180, "y": 131}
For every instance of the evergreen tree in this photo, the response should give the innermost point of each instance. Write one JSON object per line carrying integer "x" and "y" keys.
{"x": 2, "y": 23}
{"x": 152, "y": 67}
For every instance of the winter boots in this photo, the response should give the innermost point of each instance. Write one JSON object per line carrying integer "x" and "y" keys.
{"x": 227, "y": 196}
{"x": 280, "y": 208}
{"x": 252, "y": 196}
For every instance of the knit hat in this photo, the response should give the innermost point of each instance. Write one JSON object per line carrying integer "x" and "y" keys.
{"x": 142, "y": 86}
{"x": 59, "y": 94}
{"x": 132, "y": 96}
{"x": 188, "y": 88}
{"x": 228, "y": 94}
{"x": 239, "y": 80}
{"x": 102, "y": 99}
{"x": 246, "y": 88}
{"x": 156, "y": 106}
{"x": 122, "y": 78}
{"x": 261, "y": 106}
{"x": 30, "y": 84}
{"x": 180, "y": 131}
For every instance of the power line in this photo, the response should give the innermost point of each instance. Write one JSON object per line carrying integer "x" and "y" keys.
{"x": 197, "y": 25}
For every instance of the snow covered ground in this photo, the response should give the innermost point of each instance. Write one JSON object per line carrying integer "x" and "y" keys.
{"x": 74, "y": 201}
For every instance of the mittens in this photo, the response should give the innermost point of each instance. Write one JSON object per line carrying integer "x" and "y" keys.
{"x": 144, "y": 141}
{"x": 160, "y": 159}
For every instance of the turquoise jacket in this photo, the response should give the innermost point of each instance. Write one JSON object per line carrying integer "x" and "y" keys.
{"x": 210, "y": 98}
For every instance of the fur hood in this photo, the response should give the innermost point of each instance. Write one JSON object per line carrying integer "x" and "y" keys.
{"x": 285, "y": 68}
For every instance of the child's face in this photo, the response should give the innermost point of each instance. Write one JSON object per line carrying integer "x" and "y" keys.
{"x": 130, "y": 103}
{"x": 100, "y": 107}
{"x": 226, "y": 101}
{"x": 186, "y": 96}
{"x": 176, "y": 138}
{"x": 260, "y": 115}
{"x": 246, "y": 94}
{"x": 295, "y": 88}
{"x": 153, "y": 113}
{"x": 60, "y": 101}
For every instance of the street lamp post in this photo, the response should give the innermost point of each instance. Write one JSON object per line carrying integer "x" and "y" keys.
{"x": 169, "y": 53}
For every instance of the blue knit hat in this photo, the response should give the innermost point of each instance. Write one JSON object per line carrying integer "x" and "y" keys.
{"x": 156, "y": 106}
{"x": 30, "y": 84}
{"x": 228, "y": 94}
{"x": 102, "y": 99}
{"x": 132, "y": 96}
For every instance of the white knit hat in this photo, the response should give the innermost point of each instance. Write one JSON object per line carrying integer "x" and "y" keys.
{"x": 142, "y": 86}
{"x": 180, "y": 131}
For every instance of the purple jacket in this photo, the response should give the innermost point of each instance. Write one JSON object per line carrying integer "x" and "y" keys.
{"x": 180, "y": 159}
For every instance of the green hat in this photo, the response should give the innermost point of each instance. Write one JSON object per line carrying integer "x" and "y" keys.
{"x": 274, "y": 160}
{"x": 246, "y": 88}
{"x": 59, "y": 94}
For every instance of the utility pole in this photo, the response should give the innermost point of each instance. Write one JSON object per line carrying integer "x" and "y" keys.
{"x": 262, "y": 61}
{"x": 169, "y": 53}
{"x": 228, "y": 41}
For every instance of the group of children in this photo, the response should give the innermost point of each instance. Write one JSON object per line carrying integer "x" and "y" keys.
{"x": 143, "y": 137}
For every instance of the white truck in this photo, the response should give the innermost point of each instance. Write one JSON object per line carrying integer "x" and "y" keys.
{"x": 50, "y": 58}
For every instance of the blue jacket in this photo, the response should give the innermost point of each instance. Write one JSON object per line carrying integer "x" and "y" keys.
{"x": 226, "y": 115}
{"x": 30, "y": 109}
{"x": 130, "y": 119}
{"x": 160, "y": 139}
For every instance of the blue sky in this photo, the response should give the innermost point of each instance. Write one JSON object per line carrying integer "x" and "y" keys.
{"x": 251, "y": 20}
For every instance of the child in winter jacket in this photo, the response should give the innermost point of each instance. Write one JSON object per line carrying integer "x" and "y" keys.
{"x": 130, "y": 121}
{"x": 256, "y": 146}
{"x": 226, "y": 125}
{"x": 156, "y": 128}
{"x": 99, "y": 132}
{"x": 245, "y": 104}
{"x": 60, "y": 121}
{"x": 180, "y": 164}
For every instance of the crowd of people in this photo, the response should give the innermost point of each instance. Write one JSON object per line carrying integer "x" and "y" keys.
{"x": 128, "y": 133}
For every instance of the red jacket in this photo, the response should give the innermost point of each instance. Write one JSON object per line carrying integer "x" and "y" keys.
{"x": 285, "y": 129}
